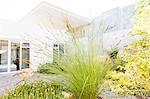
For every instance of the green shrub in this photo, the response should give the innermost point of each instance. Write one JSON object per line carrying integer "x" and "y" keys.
{"x": 35, "y": 90}
{"x": 47, "y": 68}
{"x": 117, "y": 60}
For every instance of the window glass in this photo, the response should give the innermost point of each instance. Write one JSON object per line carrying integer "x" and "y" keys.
{"x": 15, "y": 56}
{"x": 58, "y": 52}
{"x": 25, "y": 55}
{"x": 55, "y": 53}
{"x": 61, "y": 50}
{"x": 3, "y": 55}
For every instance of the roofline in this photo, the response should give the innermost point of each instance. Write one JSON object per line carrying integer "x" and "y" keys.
{"x": 43, "y": 3}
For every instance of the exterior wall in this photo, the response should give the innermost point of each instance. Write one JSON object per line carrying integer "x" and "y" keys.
{"x": 118, "y": 18}
{"x": 40, "y": 36}
{"x": 111, "y": 27}
{"x": 41, "y": 45}
{"x": 111, "y": 39}
{"x": 117, "y": 23}
{"x": 49, "y": 24}
{"x": 48, "y": 28}
{"x": 11, "y": 30}
{"x": 41, "y": 42}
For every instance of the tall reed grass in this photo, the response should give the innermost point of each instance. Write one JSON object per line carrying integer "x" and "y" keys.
{"x": 83, "y": 68}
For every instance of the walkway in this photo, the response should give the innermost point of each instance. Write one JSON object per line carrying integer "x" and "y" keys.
{"x": 8, "y": 81}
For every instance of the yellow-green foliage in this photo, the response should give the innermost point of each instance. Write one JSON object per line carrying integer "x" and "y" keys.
{"x": 84, "y": 73}
{"x": 136, "y": 78}
{"x": 35, "y": 90}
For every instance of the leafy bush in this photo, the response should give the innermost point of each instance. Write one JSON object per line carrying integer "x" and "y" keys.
{"x": 35, "y": 90}
{"x": 113, "y": 53}
{"x": 135, "y": 80}
{"x": 117, "y": 60}
{"x": 46, "y": 68}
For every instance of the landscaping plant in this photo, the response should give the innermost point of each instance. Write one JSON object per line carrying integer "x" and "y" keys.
{"x": 135, "y": 80}
{"x": 83, "y": 69}
{"x": 35, "y": 90}
{"x": 47, "y": 68}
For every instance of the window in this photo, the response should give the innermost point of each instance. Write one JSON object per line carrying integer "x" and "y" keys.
{"x": 15, "y": 56}
{"x": 3, "y": 55}
{"x": 61, "y": 50}
{"x": 58, "y": 52}
{"x": 25, "y": 55}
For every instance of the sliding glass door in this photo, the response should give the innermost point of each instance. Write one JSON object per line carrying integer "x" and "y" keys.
{"x": 14, "y": 55}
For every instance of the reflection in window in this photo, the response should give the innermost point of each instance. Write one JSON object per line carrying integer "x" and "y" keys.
{"x": 55, "y": 53}
{"x": 25, "y": 55}
{"x": 58, "y": 52}
{"x": 15, "y": 56}
{"x": 61, "y": 51}
{"x": 3, "y": 55}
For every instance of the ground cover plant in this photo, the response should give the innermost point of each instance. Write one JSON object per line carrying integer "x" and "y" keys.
{"x": 35, "y": 90}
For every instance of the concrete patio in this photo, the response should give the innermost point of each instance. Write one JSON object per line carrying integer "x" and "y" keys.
{"x": 8, "y": 81}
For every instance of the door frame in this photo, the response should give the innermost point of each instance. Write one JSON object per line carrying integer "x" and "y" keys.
{"x": 9, "y": 55}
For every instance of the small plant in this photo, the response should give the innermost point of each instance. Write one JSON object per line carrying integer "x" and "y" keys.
{"x": 116, "y": 58}
{"x": 113, "y": 53}
{"x": 35, "y": 90}
{"x": 46, "y": 68}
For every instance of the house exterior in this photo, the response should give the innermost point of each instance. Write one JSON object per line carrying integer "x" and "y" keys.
{"x": 12, "y": 46}
{"x": 33, "y": 40}
{"x": 40, "y": 34}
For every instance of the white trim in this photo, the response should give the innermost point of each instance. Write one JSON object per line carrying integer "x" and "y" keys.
{"x": 20, "y": 61}
{"x": 9, "y": 55}
{"x": 9, "y": 65}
